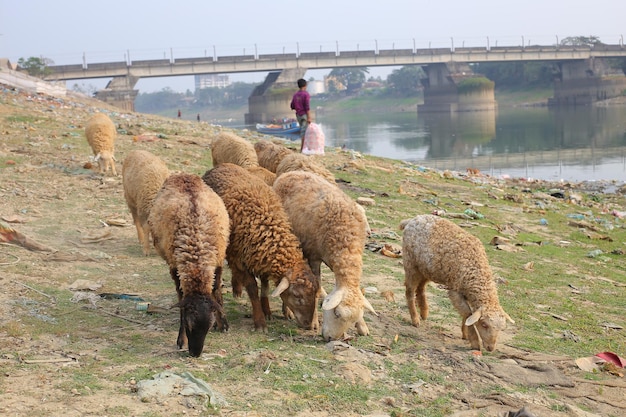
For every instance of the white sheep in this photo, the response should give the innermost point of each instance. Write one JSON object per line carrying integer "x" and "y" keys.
{"x": 101, "y": 134}
{"x": 143, "y": 175}
{"x": 332, "y": 229}
{"x": 190, "y": 228}
{"x": 228, "y": 147}
{"x": 436, "y": 249}
{"x": 300, "y": 162}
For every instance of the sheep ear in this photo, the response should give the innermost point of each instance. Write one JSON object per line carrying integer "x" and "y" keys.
{"x": 368, "y": 306}
{"x": 471, "y": 320}
{"x": 333, "y": 300}
{"x": 281, "y": 287}
{"x": 97, "y": 158}
{"x": 506, "y": 316}
{"x": 113, "y": 157}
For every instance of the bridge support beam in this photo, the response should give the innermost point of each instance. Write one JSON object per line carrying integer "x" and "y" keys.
{"x": 119, "y": 92}
{"x": 444, "y": 90}
{"x": 584, "y": 82}
{"x": 270, "y": 100}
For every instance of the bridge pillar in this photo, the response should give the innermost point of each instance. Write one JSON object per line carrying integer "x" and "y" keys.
{"x": 270, "y": 100}
{"x": 583, "y": 82}
{"x": 119, "y": 92}
{"x": 448, "y": 88}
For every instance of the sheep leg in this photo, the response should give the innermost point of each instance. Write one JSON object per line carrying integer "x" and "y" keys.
{"x": 414, "y": 292}
{"x": 265, "y": 302}
{"x": 467, "y": 332}
{"x": 220, "y": 318}
{"x": 316, "y": 268}
{"x": 144, "y": 237}
{"x": 252, "y": 289}
{"x": 237, "y": 285}
{"x": 182, "y": 335}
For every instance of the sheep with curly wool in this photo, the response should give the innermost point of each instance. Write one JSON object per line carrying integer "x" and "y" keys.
{"x": 263, "y": 245}
{"x": 228, "y": 147}
{"x": 300, "y": 162}
{"x": 143, "y": 174}
{"x": 438, "y": 250}
{"x": 270, "y": 154}
{"x": 332, "y": 229}
{"x": 190, "y": 228}
{"x": 101, "y": 134}
{"x": 266, "y": 175}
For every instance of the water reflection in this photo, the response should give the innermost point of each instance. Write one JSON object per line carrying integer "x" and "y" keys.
{"x": 574, "y": 143}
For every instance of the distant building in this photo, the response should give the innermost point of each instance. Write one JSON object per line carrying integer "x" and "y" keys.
{"x": 211, "y": 80}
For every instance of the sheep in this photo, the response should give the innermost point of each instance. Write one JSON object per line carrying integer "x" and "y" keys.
{"x": 270, "y": 154}
{"x": 101, "y": 134}
{"x": 143, "y": 175}
{"x": 190, "y": 228}
{"x": 436, "y": 249}
{"x": 266, "y": 175}
{"x": 228, "y": 147}
{"x": 262, "y": 245}
{"x": 332, "y": 229}
{"x": 300, "y": 162}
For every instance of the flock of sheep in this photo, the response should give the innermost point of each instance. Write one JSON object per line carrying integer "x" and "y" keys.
{"x": 276, "y": 215}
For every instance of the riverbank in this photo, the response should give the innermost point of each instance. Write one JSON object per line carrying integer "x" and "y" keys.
{"x": 557, "y": 251}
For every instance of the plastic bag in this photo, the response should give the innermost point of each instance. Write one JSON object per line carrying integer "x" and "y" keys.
{"x": 313, "y": 140}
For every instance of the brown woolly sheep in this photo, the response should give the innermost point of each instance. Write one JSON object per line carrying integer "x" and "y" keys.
{"x": 190, "y": 229}
{"x": 436, "y": 249}
{"x": 300, "y": 162}
{"x": 266, "y": 175}
{"x": 228, "y": 147}
{"x": 101, "y": 134}
{"x": 332, "y": 229}
{"x": 262, "y": 245}
{"x": 270, "y": 154}
{"x": 143, "y": 175}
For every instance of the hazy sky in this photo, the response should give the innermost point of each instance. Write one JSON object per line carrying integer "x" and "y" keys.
{"x": 101, "y": 31}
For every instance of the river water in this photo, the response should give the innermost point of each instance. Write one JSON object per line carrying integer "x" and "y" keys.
{"x": 573, "y": 144}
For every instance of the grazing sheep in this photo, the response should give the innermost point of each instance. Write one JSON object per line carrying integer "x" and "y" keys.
{"x": 143, "y": 175}
{"x": 101, "y": 134}
{"x": 266, "y": 175}
{"x": 332, "y": 229}
{"x": 300, "y": 162}
{"x": 228, "y": 147}
{"x": 270, "y": 154}
{"x": 262, "y": 245}
{"x": 435, "y": 249}
{"x": 190, "y": 228}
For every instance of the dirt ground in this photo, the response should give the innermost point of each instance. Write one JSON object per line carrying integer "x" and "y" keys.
{"x": 50, "y": 194}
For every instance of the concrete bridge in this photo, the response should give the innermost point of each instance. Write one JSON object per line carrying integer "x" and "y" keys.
{"x": 581, "y": 73}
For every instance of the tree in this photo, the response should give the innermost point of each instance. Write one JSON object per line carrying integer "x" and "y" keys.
{"x": 352, "y": 78}
{"x": 581, "y": 41}
{"x": 36, "y": 67}
{"x": 406, "y": 80}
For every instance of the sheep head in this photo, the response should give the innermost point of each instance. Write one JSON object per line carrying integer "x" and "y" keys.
{"x": 489, "y": 323}
{"x": 298, "y": 289}
{"x": 198, "y": 315}
{"x": 106, "y": 160}
{"x": 343, "y": 308}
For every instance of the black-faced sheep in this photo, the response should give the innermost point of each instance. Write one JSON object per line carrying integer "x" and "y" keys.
{"x": 332, "y": 229}
{"x": 228, "y": 147}
{"x": 270, "y": 154}
{"x": 143, "y": 175}
{"x": 300, "y": 162}
{"x": 262, "y": 245}
{"x": 101, "y": 134}
{"x": 190, "y": 228}
{"x": 436, "y": 249}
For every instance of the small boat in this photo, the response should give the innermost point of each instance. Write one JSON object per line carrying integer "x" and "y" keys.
{"x": 289, "y": 128}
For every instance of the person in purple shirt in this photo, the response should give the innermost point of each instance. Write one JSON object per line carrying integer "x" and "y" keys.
{"x": 300, "y": 103}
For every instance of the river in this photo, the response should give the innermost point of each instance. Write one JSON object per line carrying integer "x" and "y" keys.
{"x": 572, "y": 144}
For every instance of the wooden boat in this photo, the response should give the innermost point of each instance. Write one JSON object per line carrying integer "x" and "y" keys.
{"x": 289, "y": 128}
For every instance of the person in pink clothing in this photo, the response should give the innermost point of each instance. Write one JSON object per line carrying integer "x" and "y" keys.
{"x": 301, "y": 104}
